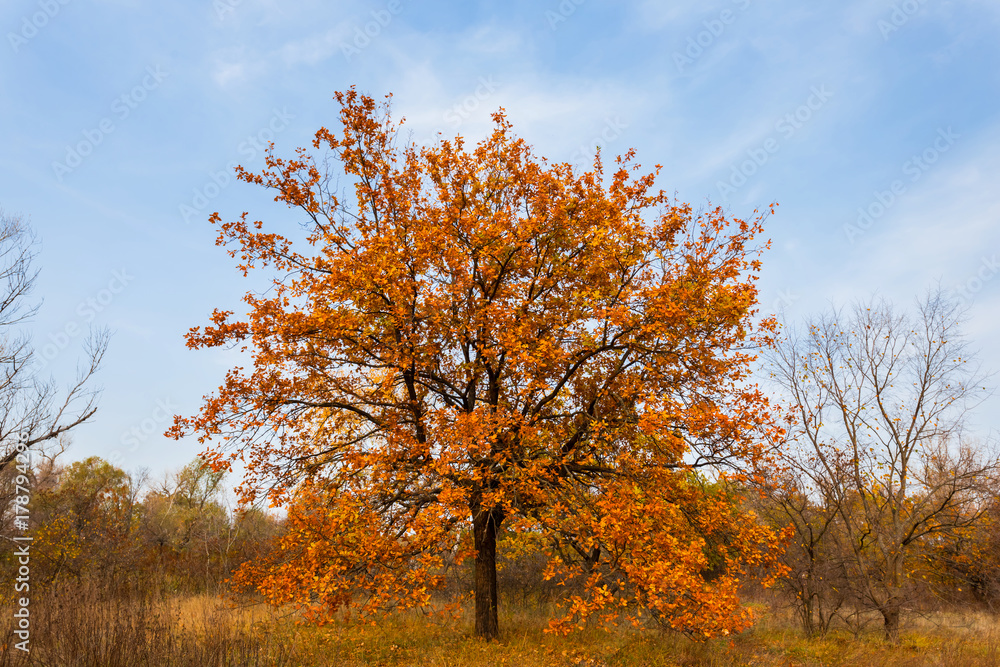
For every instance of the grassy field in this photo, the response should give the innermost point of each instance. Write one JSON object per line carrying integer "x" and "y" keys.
{"x": 83, "y": 628}
{"x": 410, "y": 640}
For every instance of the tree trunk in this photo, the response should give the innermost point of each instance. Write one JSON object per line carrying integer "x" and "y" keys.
{"x": 894, "y": 603}
{"x": 806, "y": 612}
{"x": 485, "y": 525}
{"x": 890, "y": 614}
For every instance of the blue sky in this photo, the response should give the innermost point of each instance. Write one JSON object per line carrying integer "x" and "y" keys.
{"x": 874, "y": 124}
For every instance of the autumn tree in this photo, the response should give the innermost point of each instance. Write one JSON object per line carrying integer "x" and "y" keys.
{"x": 964, "y": 566}
{"x": 185, "y": 525}
{"x": 880, "y": 399}
{"x": 467, "y": 339}
{"x": 85, "y": 517}
{"x": 191, "y": 538}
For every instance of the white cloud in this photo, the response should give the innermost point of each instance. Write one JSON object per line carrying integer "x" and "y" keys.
{"x": 225, "y": 73}
{"x": 654, "y": 15}
{"x": 316, "y": 48}
{"x": 490, "y": 40}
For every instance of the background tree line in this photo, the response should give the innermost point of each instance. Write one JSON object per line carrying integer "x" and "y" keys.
{"x": 890, "y": 503}
{"x": 93, "y": 522}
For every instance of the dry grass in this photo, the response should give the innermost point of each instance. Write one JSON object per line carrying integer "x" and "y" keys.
{"x": 410, "y": 640}
{"x": 86, "y": 627}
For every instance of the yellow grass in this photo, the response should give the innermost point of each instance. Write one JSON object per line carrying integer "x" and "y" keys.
{"x": 410, "y": 640}
{"x": 204, "y": 630}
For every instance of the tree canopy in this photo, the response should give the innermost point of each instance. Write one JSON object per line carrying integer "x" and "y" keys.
{"x": 472, "y": 341}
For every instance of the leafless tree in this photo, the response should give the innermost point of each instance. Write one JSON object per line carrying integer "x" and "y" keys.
{"x": 30, "y": 404}
{"x": 876, "y": 444}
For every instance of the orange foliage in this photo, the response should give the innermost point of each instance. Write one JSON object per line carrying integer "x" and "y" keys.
{"x": 479, "y": 338}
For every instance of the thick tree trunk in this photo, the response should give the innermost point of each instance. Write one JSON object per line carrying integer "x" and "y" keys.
{"x": 894, "y": 602}
{"x": 485, "y": 525}
{"x": 890, "y": 614}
